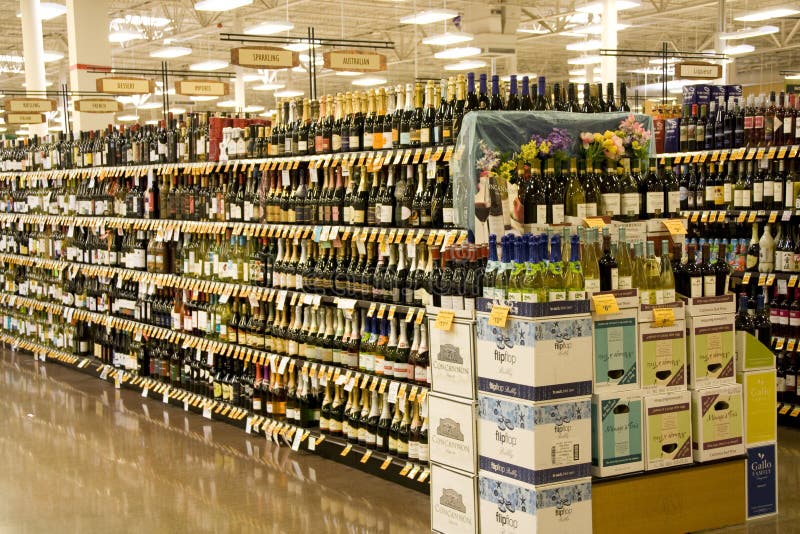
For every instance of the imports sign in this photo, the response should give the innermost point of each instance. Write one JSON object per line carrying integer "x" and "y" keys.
{"x": 264, "y": 57}
{"x": 30, "y": 105}
{"x": 97, "y": 105}
{"x": 116, "y": 85}
{"x": 25, "y": 118}
{"x": 355, "y": 60}
{"x": 202, "y": 88}
{"x": 698, "y": 71}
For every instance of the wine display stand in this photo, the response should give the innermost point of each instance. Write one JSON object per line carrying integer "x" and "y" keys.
{"x": 283, "y": 435}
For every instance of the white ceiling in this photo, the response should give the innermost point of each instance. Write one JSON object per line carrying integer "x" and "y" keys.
{"x": 684, "y": 25}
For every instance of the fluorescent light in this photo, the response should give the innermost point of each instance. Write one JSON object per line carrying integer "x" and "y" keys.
{"x": 171, "y": 52}
{"x": 22, "y": 133}
{"x": 581, "y": 72}
{"x": 269, "y": 27}
{"x": 202, "y": 98}
{"x": 288, "y": 93}
{"x": 457, "y": 53}
{"x": 268, "y": 113}
{"x": 150, "y": 105}
{"x": 252, "y": 77}
{"x": 596, "y": 8}
{"x": 140, "y": 20}
{"x": 127, "y": 118}
{"x": 52, "y": 55}
{"x": 584, "y": 60}
{"x": 448, "y": 38}
{"x": 585, "y": 46}
{"x": 597, "y": 29}
{"x": 177, "y": 110}
{"x": 305, "y": 58}
{"x": 253, "y": 109}
{"x": 2, "y": 129}
{"x": 671, "y": 60}
{"x": 220, "y": 5}
{"x": 347, "y": 73}
{"x": 301, "y": 46}
{"x": 299, "y": 68}
{"x": 767, "y": 14}
{"x": 738, "y": 49}
{"x": 268, "y": 87}
{"x": 792, "y": 77}
{"x": 746, "y": 33}
{"x": 47, "y": 83}
{"x": 122, "y": 36}
{"x": 151, "y": 122}
{"x": 467, "y": 64}
{"x": 211, "y": 64}
{"x": 535, "y": 30}
{"x": 227, "y": 104}
{"x": 429, "y": 17}
{"x": 577, "y": 80}
{"x": 48, "y": 10}
{"x": 369, "y": 81}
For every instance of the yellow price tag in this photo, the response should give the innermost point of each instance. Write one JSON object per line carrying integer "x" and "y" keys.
{"x": 594, "y": 222}
{"x": 695, "y": 216}
{"x": 795, "y": 412}
{"x": 663, "y": 317}
{"x": 785, "y": 409}
{"x": 791, "y": 344}
{"x": 675, "y": 226}
{"x": 499, "y": 316}
{"x": 773, "y": 216}
{"x": 366, "y": 456}
{"x": 605, "y": 304}
{"x": 347, "y": 450}
{"x": 762, "y": 279}
{"x": 386, "y": 463}
{"x": 771, "y": 279}
{"x": 779, "y": 344}
{"x": 752, "y": 217}
{"x": 792, "y": 280}
{"x": 742, "y": 216}
{"x": 746, "y": 278}
{"x": 444, "y": 320}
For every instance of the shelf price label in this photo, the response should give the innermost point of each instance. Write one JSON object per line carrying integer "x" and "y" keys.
{"x": 444, "y": 320}
{"x": 663, "y": 317}
{"x": 605, "y": 303}
{"x": 499, "y": 316}
{"x": 675, "y": 227}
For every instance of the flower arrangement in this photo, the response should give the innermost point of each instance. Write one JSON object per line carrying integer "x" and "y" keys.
{"x": 635, "y": 137}
{"x": 598, "y": 147}
{"x": 495, "y": 163}
{"x": 557, "y": 144}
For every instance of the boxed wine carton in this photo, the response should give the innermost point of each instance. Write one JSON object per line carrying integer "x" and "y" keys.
{"x": 452, "y": 359}
{"x": 717, "y": 422}
{"x": 509, "y": 506}
{"x": 760, "y": 417}
{"x": 667, "y": 430}
{"x": 710, "y": 350}
{"x": 762, "y": 480}
{"x": 751, "y": 354}
{"x": 617, "y": 430}
{"x": 535, "y": 359}
{"x": 452, "y": 436}
{"x": 536, "y": 444}
{"x": 454, "y": 501}
{"x": 616, "y": 362}
{"x": 662, "y": 356}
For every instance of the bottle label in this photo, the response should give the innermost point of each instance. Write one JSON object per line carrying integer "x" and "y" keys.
{"x": 655, "y": 202}
{"x": 769, "y": 188}
{"x": 696, "y": 286}
{"x": 630, "y": 204}
{"x": 746, "y": 199}
{"x": 758, "y": 121}
{"x": 448, "y": 215}
{"x": 674, "y": 201}
{"x": 777, "y": 192}
{"x": 586, "y": 210}
{"x": 541, "y": 214}
{"x": 710, "y": 286}
{"x": 758, "y": 192}
{"x": 357, "y": 216}
{"x": 529, "y": 296}
{"x": 558, "y": 214}
{"x": 556, "y": 295}
{"x": 591, "y": 286}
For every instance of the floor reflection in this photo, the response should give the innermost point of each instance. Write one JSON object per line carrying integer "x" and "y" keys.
{"x": 79, "y": 456}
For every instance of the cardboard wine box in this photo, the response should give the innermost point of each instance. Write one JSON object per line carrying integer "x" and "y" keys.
{"x": 617, "y": 430}
{"x": 662, "y": 356}
{"x": 454, "y": 501}
{"x": 451, "y": 434}
{"x": 717, "y": 422}
{"x": 667, "y": 429}
{"x": 452, "y": 359}
{"x": 536, "y": 444}
{"x": 616, "y": 348}
{"x": 509, "y": 506}
{"x": 710, "y": 350}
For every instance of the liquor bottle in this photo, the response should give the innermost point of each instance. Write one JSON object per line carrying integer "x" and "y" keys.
{"x": 753, "y": 251}
{"x": 427, "y": 137}
{"x": 654, "y": 196}
{"x": 554, "y": 277}
{"x": 693, "y": 274}
{"x": 609, "y": 271}
{"x": 667, "y": 281}
{"x": 743, "y": 321}
{"x": 630, "y": 197}
{"x": 573, "y": 277}
{"x": 722, "y": 271}
{"x": 766, "y": 254}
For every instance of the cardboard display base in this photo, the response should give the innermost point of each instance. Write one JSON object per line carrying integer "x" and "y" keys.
{"x": 681, "y": 500}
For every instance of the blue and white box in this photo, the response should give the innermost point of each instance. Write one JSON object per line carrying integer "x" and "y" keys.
{"x": 535, "y": 444}
{"x": 762, "y": 480}
{"x": 510, "y": 507}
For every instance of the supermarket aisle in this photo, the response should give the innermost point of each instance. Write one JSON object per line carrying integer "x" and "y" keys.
{"x": 76, "y": 455}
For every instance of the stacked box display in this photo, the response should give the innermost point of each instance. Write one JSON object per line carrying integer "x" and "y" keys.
{"x": 717, "y": 422}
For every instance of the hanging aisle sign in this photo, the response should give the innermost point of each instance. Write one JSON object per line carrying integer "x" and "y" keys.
{"x": 30, "y": 105}
{"x": 264, "y": 57}
{"x": 355, "y": 60}
{"x": 698, "y": 71}
{"x": 25, "y": 118}
{"x": 118, "y": 85}
{"x": 202, "y": 88}
{"x": 97, "y": 105}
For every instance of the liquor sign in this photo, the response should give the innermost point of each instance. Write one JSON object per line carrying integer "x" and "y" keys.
{"x": 355, "y": 60}
{"x": 25, "y": 118}
{"x": 116, "y": 85}
{"x": 30, "y": 105}
{"x": 698, "y": 71}
{"x": 202, "y": 88}
{"x": 97, "y": 105}
{"x": 264, "y": 57}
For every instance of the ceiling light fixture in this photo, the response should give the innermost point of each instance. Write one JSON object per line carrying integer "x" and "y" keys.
{"x": 581, "y": 72}
{"x": 150, "y": 105}
{"x": 48, "y": 10}
{"x": 369, "y": 81}
{"x": 177, "y": 110}
{"x": 203, "y": 98}
{"x": 171, "y": 52}
{"x": 269, "y": 27}
{"x": 792, "y": 77}
{"x": 467, "y": 64}
{"x": 227, "y": 104}
{"x": 128, "y": 118}
{"x": 268, "y": 87}
{"x": 767, "y": 14}
{"x": 584, "y": 60}
{"x": 123, "y": 36}
{"x": 737, "y": 50}
{"x": 458, "y": 53}
{"x": 220, "y": 5}
{"x": 50, "y": 56}
{"x": 211, "y": 64}
{"x": 22, "y": 133}
{"x": 429, "y": 17}
{"x": 448, "y": 38}
{"x": 596, "y": 8}
{"x": 347, "y": 73}
{"x": 253, "y": 109}
{"x": 302, "y": 46}
{"x": 288, "y": 93}
{"x": 585, "y": 46}
{"x": 535, "y": 29}
{"x": 268, "y": 113}
{"x": 747, "y": 33}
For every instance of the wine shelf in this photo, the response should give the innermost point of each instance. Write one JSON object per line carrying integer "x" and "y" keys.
{"x": 373, "y": 158}
{"x": 788, "y": 414}
{"x": 739, "y": 216}
{"x": 733, "y": 154}
{"x": 408, "y": 474}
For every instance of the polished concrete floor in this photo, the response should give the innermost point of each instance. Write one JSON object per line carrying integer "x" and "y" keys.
{"x": 76, "y": 455}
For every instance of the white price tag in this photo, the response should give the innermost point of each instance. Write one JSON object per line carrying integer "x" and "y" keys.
{"x": 298, "y": 438}
{"x": 393, "y": 387}
{"x": 144, "y": 392}
{"x": 165, "y": 398}
{"x": 249, "y": 425}
{"x": 207, "y": 412}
